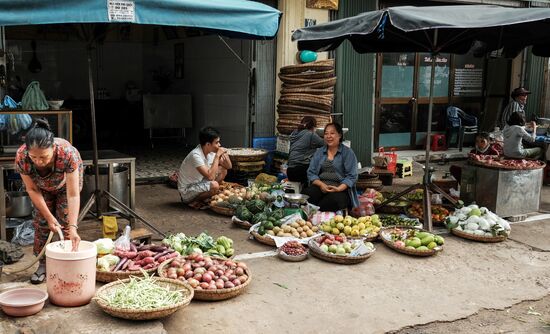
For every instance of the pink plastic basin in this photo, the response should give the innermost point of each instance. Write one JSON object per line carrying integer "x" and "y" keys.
{"x": 23, "y": 302}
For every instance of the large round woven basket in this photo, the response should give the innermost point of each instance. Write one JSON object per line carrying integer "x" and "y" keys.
{"x": 310, "y": 74}
{"x": 293, "y": 80}
{"x": 370, "y": 183}
{"x": 263, "y": 239}
{"x": 242, "y": 224}
{"x": 283, "y": 109}
{"x": 132, "y": 314}
{"x": 222, "y": 210}
{"x": 256, "y": 154}
{"x": 319, "y": 84}
{"x": 320, "y": 254}
{"x": 312, "y": 91}
{"x": 319, "y": 66}
{"x": 411, "y": 252}
{"x": 307, "y": 101}
{"x": 479, "y": 238}
{"x": 111, "y": 276}
{"x": 213, "y": 295}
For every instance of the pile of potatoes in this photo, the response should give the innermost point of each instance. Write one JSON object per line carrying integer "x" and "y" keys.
{"x": 237, "y": 193}
{"x": 298, "y": 229}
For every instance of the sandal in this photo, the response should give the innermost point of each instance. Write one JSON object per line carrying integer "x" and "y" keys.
{"x": 39, "y": 275}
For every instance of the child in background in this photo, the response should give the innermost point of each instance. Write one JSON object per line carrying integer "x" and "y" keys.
{"x": 483, "y": 147}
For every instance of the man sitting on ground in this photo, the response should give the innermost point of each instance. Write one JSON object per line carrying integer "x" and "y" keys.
{"x": 203, "y": 169}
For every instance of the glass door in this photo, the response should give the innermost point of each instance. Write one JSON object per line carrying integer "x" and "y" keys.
{"x": 395, "y": 106}
{"x": 403, "y": 88}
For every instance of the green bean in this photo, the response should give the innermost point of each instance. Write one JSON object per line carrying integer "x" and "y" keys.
{"x": 141, "y": 294}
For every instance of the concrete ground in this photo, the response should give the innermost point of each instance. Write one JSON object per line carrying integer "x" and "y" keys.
{"x": 468, "y": 288}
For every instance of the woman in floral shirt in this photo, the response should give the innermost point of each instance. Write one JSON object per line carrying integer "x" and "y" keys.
{"x": 51, "y": 169}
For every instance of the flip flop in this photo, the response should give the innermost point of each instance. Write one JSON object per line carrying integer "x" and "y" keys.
{"x": 39, "y": 275}
{"x": 195, "y": 205}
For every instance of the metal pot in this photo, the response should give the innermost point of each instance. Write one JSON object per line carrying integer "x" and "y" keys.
{"x": 18, "y": 204}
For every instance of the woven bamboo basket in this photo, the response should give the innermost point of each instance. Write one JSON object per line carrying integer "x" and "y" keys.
{"x": 213, "y": 295}
{"x": 479, "y": 238}
{"x": 259, "y": 154}
{"x": 306, "y": 90}
{"x": 291, "y": 110}
{"x": 319, "y": 66}
{"x": 319, "y": 84}
{"x": 263, "y": 239}
{"x": 327, "y": 97}
{"x": 297, "y": 80}
{"x": 307, "y": 101}
{"x": 222, "y": 210}
{"x": 292, "y": 258}
{"x": 372, "y": 183}
{"x": 242, "y": 224}
{"x": 112, "y": 276}
{"x": 411, "y": 252}
{"x": 310, "y": 74}
{"x": 320, "y": 254}
{"x": 161, "y": 312}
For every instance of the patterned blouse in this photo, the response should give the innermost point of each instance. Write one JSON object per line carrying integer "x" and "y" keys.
{"x": 329, "y": 175}
{"x": 67, "y": 160}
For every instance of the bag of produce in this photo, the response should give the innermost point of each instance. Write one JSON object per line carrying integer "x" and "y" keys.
{"x": 123, "y": 242}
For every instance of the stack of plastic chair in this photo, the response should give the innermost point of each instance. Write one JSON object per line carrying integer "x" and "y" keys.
{"x": 469, "y": 127}
{"x": 454, "y": 123}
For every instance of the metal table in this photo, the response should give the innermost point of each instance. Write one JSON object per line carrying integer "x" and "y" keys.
{"x": 505, "y": 192}
{"x": 106, "y": 157}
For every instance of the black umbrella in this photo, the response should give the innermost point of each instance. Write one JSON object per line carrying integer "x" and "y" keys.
{"x": 449, "y": 29}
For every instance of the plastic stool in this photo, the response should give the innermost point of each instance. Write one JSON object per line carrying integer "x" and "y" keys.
{"x": 404, "y": 168}
{"x": 438, "y": 142}
{"x": 296, "y": 187}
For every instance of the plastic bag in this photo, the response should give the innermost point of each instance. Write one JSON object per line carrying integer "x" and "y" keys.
{"x": 123, "y": 242}
{"x": 33, "y": 98}
{"x": 24, "y": 234}
{"x": 18, "y": 122}
{"x": 9, "y": 103}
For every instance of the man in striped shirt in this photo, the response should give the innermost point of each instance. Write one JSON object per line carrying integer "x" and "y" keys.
{"x": 519, "y": 99}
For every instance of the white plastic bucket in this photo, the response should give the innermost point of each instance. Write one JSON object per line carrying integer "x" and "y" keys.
{"x": 70, "y": 276}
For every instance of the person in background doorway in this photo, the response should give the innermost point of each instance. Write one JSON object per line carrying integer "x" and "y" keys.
{"x": 303, "y": 143}
{"x": 515, "y": 133}
{"x": 332, "y": 173}
{"x": 203, "y": 169}
{"x": 519, "y": 100}
{"x": 51, "y": 169}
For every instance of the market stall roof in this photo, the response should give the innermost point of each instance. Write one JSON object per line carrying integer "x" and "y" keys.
{"x": 408, "y": 28}
{"x": 234, "y": 18}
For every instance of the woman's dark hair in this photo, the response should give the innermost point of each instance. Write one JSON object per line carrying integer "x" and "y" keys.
{"x": 307, "y": 123}
{"x": 208, "y": 135}
{"x": 39, "y": 135}
{"x": 338, "y": 128}
{"x": 516, "y": 119}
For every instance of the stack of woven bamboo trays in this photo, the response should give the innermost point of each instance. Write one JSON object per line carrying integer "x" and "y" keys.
{"x": 307, "y": 90}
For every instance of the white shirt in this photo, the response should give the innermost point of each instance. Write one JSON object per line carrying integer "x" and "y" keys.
{"x": 188, "y": 173}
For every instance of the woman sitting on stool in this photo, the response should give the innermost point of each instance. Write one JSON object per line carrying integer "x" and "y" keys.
{"x": 303, "y": 143}
{"x": 332, "y": 173}
{"x": 514, "y": 133}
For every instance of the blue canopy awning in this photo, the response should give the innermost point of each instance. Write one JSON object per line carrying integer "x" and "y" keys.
{"x": 236, "y": 18}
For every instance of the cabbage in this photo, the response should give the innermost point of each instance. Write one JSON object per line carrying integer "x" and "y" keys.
{"x": 104, "y": 246}
{"x": 504, "y": 224}
{"x": 453, "y": 219}
{"x": 461, "y": 216}
{"x": 459, "y": 228}
{"x": 105, "y": 263}
{"x": 479, "y": 232}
